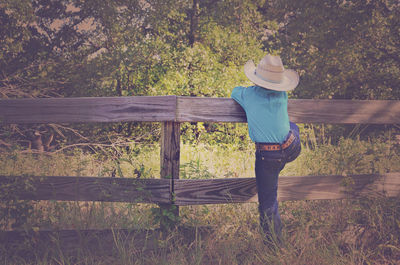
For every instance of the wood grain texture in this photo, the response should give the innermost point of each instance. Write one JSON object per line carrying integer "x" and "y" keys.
{"x": 89, "y": 189}
{"x": 170, "y": 150}
{"x": 204, "y": 191}
{"x": 94, "y": 109}
{"x": 194, "y": 109}
{"x": 189, "y": 109}
{"x": 338, "y": 187}
{"x": 214, "y": 191}
{"x": 169, "y": 161}
{"x": 344, "y": 111}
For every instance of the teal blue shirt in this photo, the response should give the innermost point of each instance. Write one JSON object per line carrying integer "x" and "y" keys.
{"x": 266, "y": 112}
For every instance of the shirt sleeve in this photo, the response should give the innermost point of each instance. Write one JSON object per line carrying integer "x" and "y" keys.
{"x": 238, "y": 95}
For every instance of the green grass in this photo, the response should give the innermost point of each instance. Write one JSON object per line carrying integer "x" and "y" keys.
{"x": 362, "y": 231}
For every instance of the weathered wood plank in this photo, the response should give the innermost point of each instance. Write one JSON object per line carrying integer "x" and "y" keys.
{"x": 89, "y": 189}
{"x": 344, "y": 111}
{"x": 189, "y": 109}
{"x": 214, "y": 191}
{"x": 193, "y": 109}
{"x": 95, "y": 109}
{"x": 205, "y": 191}
{"x": 170, "y": 150}
{"x": 338, "y": 187}
{"x": 169, "y": 164}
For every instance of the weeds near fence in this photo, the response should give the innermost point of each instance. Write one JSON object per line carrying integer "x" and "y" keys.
{"x": 362, "y": 231}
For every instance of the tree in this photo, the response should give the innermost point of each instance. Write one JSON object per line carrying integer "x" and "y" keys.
{"x": 342, "y": 49}
{"x": 75, "y": 48}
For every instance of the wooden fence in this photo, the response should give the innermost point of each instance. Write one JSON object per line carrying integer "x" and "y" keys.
{"x": 173, "y": 110}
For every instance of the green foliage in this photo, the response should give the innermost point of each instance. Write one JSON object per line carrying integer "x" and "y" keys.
{"x": 94, "y": 48}
{"x": 350, "y": 156}
{"x": 166, "y": 216}
{"x": 337, "y": 47}
{"x": 194, "y": 48}
{"x": 126, "y": 48}
{"x": 358, "y": 231}
{"x": 69, "y": 48}
{"x": 195, "y": 170}
{"x": 14, "y": 212}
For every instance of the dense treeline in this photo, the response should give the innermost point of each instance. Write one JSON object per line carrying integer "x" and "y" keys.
{"x": 70, "y": 48}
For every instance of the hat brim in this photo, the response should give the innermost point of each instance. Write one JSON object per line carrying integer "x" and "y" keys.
{"x": 289, "y": 82}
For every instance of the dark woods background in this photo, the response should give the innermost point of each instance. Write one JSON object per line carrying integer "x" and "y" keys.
{"x": 342, "y": 50}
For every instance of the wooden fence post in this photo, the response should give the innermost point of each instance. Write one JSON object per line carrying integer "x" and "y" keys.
{"x": 170, "y": 156}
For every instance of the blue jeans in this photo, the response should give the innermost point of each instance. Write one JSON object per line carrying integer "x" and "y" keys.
{"x": 268, "y": 166}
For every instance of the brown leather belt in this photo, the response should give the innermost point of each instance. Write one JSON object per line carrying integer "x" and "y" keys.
{"x": 275, "y": 147}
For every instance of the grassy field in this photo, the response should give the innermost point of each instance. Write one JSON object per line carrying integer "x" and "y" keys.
{"x": 362, "y": 231}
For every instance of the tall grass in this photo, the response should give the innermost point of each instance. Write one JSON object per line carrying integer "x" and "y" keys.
{"x": 361, "y": 231}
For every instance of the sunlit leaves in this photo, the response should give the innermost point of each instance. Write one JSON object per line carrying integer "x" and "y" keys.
{"x": 343, "y": 49}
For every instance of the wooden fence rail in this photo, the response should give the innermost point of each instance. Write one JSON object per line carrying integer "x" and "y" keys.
{"x": 189, "y": 109}
{"x": 201, "y": 191}
{"x": 173, "y": 110}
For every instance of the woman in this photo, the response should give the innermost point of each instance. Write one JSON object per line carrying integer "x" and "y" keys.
{"x": 277, "y": 140}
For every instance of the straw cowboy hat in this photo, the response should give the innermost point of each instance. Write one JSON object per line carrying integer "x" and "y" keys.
{"x": 271, "y": 74}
